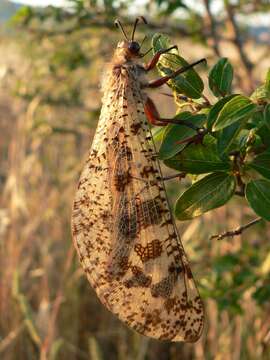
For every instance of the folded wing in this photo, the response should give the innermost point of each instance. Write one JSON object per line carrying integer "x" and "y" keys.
{"x": 124, "y": 231}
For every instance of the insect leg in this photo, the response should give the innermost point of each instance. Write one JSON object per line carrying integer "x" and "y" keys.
{"x": 154, "y": 118}
{"x": 164, "y": 79}
{"x": 152, "y": 113}
{"x": 153, "y": 62}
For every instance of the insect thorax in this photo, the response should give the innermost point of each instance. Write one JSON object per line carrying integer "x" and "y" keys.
{"x": 129, "y": 72}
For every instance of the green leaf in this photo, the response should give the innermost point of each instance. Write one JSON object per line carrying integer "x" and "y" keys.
{"x": 258, "y": 197}
{"x": 188, "y": 83}
{"x": 215, "y": 110}
{"x": 220, "y": 77}
{"x": 238, "y": 108}
{"x": 244, "y": 276}
{"x": 158, "y": 133}
{"x": 260, "y": 94}
{"x": 168, "y": 7}
{"x": 257, "y": 120}
{"x": 22, "y": 16}
{"x": 264, "y": 134}
{"x": 266, "y": 116}
{"x": 226, "y": 139}
{"x": 260, "y": 121}
{"x": 267, "y": 81}
{"x": 262, "y": 293}
{"x": 199, "y": 158}
{"x": 230, "y": 302}
{"x": 212, "y": 191}
{"x": 175, "y": 133}
{"x": 247, "y": 139}
{"x": 261, "y": 164}
{"x": 225, "y": 263}
{"x": 161, "y": 42}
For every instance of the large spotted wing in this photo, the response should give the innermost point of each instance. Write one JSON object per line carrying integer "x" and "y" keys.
{"x": 124, "y": 231}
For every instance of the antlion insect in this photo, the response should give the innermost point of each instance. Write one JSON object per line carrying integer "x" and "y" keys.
{"x": 123, "y": 228}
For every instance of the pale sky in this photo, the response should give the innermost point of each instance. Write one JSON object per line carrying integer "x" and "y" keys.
{"x": 42, "y": 2}
{"x": 259, "y": 19}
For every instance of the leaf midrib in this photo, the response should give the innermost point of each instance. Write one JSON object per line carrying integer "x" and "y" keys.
{"x": 261, "y": 193}
{"x": 206, "y": 193}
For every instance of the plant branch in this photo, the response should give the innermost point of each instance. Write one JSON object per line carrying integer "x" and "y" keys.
{"x": 56, "y": 305}
{"x": 240, "y": 193}
{"x": 247, "y": 64}
{"x": 11, "y": 337}
{"x": 207, "y": 101}
{"x": 212, "y": 27}
{"x": 235, "y": 232}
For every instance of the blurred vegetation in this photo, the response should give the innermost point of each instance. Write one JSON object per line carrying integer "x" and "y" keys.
{"x": 52, "y": 61}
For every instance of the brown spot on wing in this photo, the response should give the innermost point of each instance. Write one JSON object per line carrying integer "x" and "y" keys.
{"x": 135, "y": 128}
{"x": 165, "y": 287}
{"x": 147, "y": 171}
{"x": 170, "y": 303}
{"x": 121, "y": 178}
{"x": 118, "y": 262}
{"x": 121, "y": 173}
{"x": 127, "y": 219}
{"x": 139, "y": 279}
{"x": 151, "y": 251}
{"x": 153, "y": 318}
{"x": 149, "y": 212}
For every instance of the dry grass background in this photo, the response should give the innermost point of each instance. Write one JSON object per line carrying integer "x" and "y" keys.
{"x": 48, "y": 310}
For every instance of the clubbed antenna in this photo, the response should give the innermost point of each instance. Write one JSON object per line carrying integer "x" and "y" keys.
{"x": 118, "y": 24}
{"x": 140, "y": 18}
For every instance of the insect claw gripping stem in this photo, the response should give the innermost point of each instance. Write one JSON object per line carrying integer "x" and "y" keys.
{"x": 180, "y": 176}
{"x": 196, "y": 139}
{"x": 164, "y": 79}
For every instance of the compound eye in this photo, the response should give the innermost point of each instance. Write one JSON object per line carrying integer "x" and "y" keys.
{"x": 134, "y": 47}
